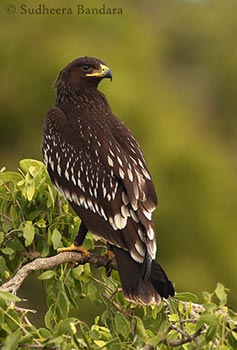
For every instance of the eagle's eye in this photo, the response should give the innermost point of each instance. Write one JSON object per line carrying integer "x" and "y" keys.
{"x": 85, "y": 68}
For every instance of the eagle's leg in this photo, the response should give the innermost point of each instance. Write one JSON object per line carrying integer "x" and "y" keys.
{"x": 77, "y": 244}
{"x": 109, "y": 253}
{"x": 110, "y": 256}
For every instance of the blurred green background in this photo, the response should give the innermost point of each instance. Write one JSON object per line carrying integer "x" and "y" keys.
{"x": 174, "y": 65}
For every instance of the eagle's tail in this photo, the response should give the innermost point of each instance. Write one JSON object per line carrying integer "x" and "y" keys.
{"x": 142, "y": 283}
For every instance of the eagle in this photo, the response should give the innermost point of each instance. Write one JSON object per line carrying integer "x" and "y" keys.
{"x": 95, "y": 161}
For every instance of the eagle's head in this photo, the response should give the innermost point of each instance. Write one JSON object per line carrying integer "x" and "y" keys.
{"x": 83, "y": 72}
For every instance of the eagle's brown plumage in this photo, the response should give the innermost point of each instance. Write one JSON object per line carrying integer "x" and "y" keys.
{"x": 92, "y": 158}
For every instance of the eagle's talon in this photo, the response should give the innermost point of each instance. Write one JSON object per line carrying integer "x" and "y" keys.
{"x": 110, "y": 255}
{"x": 75, "y": 248}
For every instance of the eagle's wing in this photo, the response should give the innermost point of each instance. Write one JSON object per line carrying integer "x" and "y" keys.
{"x": 105, "y": 174}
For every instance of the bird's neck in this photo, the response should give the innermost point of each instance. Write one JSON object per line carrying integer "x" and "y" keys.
{"x": 85, "y": 98}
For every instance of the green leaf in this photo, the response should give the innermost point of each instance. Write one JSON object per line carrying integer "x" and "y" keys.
{"x": 49, "y": 316}
{"x": 12, "y": 319}
{"x": 155, "y": 309}
{"x": 104, "y": 317}
{"x": 116, "y": 346}
{"x": 232, "y": 339}
{"x": 13, "y": 213}
{"x": 25, "y": 164}
{"x": 209, "y": 319}
{"x": 100, "y": 343}
{"x": 7, "y": 251}
{"x": 89, "y": 242}
{"x": 10, "y": 176}
{"x": 153, "y": 341}
{"x": 51, "y": 197}
{"x": 232, "y": 313}
{"x": 47, "y": 275}
{"x": 12, "y": 341}
{"x": 180, "y": 307}
{"x": 173, "y": 318}
{"x": 33, "y": 215}
{"x": 91, "y": 292}
{"x": 70, "y": 296}
{"x": 8, "y": 296}
{"x": 105, "y": 333}
{"x": 28, "y": 233}
{"x": 78, "y": 271}
{"x": 95, "y": 334}
{"x": 65, "y": 326}
{"x": 30, "y": 191}
{"x": 43, "y": 333}
{"x": 45, "y": 250}
{"x": 186, "y": 296}
{"x": 41, "y": 223}
{"x": 32, "y": 170}
{"x": 140, "y": 329}
{"x": 1, "y": 237}
{"x": 121, "y": 325}
{"x": 2, "y": 315}
{"x": 56, "y": 239}
{"x": 210, "y": 307}
{"x": 221, "y": 294}
{"x": 62, "y": 305}
{"x": 207, "y": 297}
{"x": 3, "y": 266}
{"x": 211, "y": 332}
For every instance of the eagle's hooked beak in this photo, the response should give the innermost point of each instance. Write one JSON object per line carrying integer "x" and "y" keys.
{"x": 103, "y": 72}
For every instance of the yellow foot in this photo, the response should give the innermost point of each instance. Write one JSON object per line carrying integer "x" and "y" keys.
{"x": 74, "y": 248}
{"x": 110, "y": 255}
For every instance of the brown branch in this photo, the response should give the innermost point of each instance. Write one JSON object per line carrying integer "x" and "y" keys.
{"x": 186, "y": 338}
{"x": 46, "y": 263}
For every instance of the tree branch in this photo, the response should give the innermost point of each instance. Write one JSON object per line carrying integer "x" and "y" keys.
{"x": 46, "y": 263}
{"x": 186, "y": 338}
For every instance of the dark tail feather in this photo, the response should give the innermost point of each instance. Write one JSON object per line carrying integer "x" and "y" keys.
{"x": 160, "y": 280}
{"x": 138, "y": 285}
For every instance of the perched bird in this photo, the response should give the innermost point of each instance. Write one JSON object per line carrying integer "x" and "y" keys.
{"x": 95, "y": 161}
